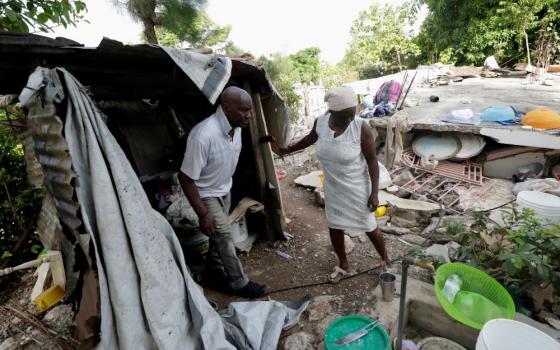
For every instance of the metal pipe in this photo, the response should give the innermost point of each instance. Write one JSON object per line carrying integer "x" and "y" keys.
{"x": 402, "y": 304}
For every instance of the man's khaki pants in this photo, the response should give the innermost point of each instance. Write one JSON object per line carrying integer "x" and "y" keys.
{"x": 221, "y": 254}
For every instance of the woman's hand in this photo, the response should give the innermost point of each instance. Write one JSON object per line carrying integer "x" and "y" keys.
{"x": 373, "y": 202}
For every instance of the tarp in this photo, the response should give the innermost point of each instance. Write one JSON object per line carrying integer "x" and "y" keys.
{"x": 148, "y": 298}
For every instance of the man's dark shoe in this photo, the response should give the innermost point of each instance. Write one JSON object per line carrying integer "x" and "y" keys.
{"x": 251, "y": 291}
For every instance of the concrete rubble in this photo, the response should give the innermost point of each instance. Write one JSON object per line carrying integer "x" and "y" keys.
{"x": 300, "y": 341}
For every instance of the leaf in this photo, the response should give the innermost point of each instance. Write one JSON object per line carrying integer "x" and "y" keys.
{"x": 43, "y": 18}
{"x": 11, "y": 15}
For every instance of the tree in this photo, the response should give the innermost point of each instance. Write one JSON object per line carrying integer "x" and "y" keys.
{"x": 307, "y": 64}
{"x": 183, "y": 18}
{"x": 281, "y": 71}
{"x": 469, "y": 31}
{"x": 42, "y": 15}
{"x": 381, "y": 41}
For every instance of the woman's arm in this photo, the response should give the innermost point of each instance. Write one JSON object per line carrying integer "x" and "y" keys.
{"x": 368, "y": 149}
{"x": 305, "y": 142}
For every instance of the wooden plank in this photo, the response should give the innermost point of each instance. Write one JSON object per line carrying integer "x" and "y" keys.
{"x": 57, "y": 269}
{"x": 260, "y": 167}
{"x": 43, "y": 272}
{"x": 277, "y": 209}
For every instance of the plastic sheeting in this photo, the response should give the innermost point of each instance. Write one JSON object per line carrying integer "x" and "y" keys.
{"x": 148, "y": 298}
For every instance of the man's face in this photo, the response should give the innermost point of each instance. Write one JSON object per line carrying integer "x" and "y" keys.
{"x": 238, "y": 112}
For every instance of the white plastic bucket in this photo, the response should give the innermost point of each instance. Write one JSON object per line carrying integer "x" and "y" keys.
{"x": 502, "y": 334}
{"x": 545, "y": 205}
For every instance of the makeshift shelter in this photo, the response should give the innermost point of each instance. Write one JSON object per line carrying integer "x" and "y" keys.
{"x": 103, "y": 119}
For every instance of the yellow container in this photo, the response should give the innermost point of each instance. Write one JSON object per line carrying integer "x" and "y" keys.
{"x": 380, "y": 211}
{"x": 49, "y": 298}
{"x": 322, "y": 178}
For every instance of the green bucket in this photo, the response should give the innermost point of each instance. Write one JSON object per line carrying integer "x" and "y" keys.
{"x": 376, "y": 339}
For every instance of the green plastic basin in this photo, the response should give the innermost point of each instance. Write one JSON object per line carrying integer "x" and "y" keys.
{"x": 480, "y": 300}
{"x": 376, "y": 339}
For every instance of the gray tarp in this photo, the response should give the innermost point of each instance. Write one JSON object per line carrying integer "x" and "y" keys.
{"x": 148, "y": 299}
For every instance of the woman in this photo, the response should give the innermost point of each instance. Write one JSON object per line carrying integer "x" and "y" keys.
{"x": 345, "y": 148}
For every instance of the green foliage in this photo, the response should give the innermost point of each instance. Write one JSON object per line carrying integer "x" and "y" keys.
{"x": 307, "y": 64}
{"x": 182, "y": 18}
{"x": 19, "y": 202}
{"x": 41, "y": 15}
{"x": 466, "y": 32}
{"x": 281, "y": 71}
{"x": 381, "y": 44}
{"x": 339, "y": 74}
{"x": 525, "y": 250}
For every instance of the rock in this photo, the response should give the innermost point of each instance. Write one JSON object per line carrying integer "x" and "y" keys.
{"x": 363, "y": 238}
{"x": 299, "y": 341}
{"x": 414, "y": 239}
{"x": 399, "y": 231}
{"x": 311, "y": 180}
{"x": 321, "y": 326}
{"x": 59, "y": 315}
{"x": 9, "y": 344}
{"x": 354, "y": 234}
{"x": 453, "y": 249}
{"x": 438, "y": 250}
{"x": 319, "y": 197}
{"x": 348, "y": 244}
{"x": 553, "y": 322}
{"x": 321, "y": 306}
{"x": 540, "y": 295}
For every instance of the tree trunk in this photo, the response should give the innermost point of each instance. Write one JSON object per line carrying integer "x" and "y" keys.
{"x": 150, "y": 31}
{"x": 399, "y": 59}
{"x": 527, "y": 45}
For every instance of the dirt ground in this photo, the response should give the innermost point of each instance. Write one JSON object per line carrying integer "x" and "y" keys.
{"x": 313, "y": 256}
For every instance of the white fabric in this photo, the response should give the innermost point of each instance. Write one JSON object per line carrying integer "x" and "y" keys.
{"x": 347, "y": 183}
{"x": 341, "y": 98}
{"x": 211, "y": 155}
{"x": 209, "y": 73}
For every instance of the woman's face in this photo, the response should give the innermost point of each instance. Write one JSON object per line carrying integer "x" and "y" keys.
{"x": 345, "y": 116}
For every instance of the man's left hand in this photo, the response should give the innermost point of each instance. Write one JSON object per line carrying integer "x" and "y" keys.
{"x": 373, "y": 202}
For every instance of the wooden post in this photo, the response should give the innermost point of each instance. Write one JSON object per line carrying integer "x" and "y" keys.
{"x": 255, "y": 132}
{"x": 273, "y": 186}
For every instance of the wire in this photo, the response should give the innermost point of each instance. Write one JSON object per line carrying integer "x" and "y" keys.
{"x": 498, "y": 207}
{"x": 329, "y": 282}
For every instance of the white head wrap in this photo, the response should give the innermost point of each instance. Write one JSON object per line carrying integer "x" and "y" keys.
{"x": 341, "y": 98}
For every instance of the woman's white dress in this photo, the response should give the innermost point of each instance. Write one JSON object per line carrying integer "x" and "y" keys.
{"x": 347, "y": 184}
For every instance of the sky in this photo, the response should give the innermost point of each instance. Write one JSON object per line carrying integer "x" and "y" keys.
{"x": 261, "y": 27}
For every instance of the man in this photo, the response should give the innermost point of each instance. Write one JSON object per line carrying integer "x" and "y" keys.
{"x": 213, "y": 148}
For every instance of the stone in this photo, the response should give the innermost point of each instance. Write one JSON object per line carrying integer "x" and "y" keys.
{"x": 414, "y": 239}
{"x": 299, "y": 341}
{"x": 438, "y": 250}
{"x": 321, "y": 326}
{"x": 59, "y": 315}
{"x": 353, "y": 234}
{"x": 311, "y": 180}
{"x": 363, "y": 238}
{"x": 553, "y": 322}
{"x": 348, "y": 244}
{"x": 321, "y": 306}
{"x": 319, "y": 197}
{"x": 540, "y": 295}
{"x": 9, "y": 344}
{"x": 453, "y": 249}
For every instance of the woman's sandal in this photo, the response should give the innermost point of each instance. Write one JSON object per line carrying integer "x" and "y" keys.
{"x": 338, "y": 274}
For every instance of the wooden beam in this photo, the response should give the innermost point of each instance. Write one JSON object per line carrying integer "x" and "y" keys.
{"x": 255, "y": 132}
{"x": 273, "y": 185}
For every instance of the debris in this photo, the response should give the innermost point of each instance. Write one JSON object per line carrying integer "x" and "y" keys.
{"x": 245, "y": 204}
{"x": 284, "y": 255}
{"x": 300, "y": 341}
{"x": 48, "y": 298}
{"x": 9, "y": 344}
{"x": 529, "y": 171}
{"x": 384, "y": 177}
{"x": 505, "y": 167}
{"x": 540, "y": 295}
{"x": 453, "y": 249}
{"x": 59, "y": 315}
{"x": 434, "y": 98}
{"x": 353, "y": 234}
{"x": 319, "y": 197}
{"x": 434, "y": 222}
{"x": 348, "y": 244}
{"x": 548, "y": 185}
{"x": 414, "y": 239}
{"x": 492, "y": 194}
{"x": 363, "y": 238}
{"x": 491, "y": 63}
{"x": 438, "y": 251}
{"x": 553, "y": 322}
{"x": 321, "y": 306}
{"x": 399, "y": 231}
{"x": 312, "y": 180}
{"x": 467, "y": 172}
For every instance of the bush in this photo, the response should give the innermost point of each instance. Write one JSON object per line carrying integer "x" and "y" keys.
{"x": 19, "y": 202}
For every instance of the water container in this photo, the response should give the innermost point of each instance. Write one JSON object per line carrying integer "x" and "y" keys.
{"x": 504, "y": 334}
{"x": 545, "y": 205}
